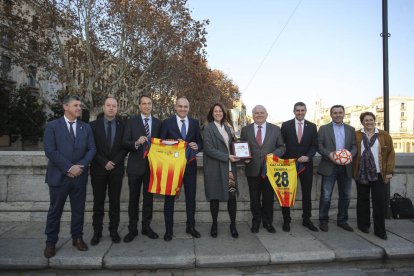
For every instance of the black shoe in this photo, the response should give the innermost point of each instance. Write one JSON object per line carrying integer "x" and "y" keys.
{"x": 269, "y": 228}
{"x": 96, "y": 238}
{"x": 193, "y": 232}
{"x": 147, "y": 231}
{"x": 213, "y": 231}
{"x": 168, "y": 235}
{"x": 364, "y": 229}
{"x": 233, "y": 231}
{"x": 323, "y": 227}
{"x": 346, "y": 227}
{"x": 115, "y": 237}
{"x": 286, "y": 227}
{"x": 382, "y": 236}
{"x": 309, "y": 224}
{"x": 255, "y": 228}
{"x": 130, "y": 236}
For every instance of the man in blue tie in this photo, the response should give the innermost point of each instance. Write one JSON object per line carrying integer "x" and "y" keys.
{"x": 181, "y": 126}
{"x": 139, "y": 129}
{"x": 69, "y": 145}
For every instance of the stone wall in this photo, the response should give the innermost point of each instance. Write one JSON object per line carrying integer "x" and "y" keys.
{"x": 24, "y": 196}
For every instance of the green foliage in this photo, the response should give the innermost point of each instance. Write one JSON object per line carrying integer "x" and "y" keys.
{"x": 26, "y": 115}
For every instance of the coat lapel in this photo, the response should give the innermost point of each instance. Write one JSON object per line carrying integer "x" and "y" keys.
{"x": 217, "y": 132}
{"x": 332, "y": 134}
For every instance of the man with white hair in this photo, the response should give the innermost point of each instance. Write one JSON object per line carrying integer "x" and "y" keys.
{"x": 263, "y": 138}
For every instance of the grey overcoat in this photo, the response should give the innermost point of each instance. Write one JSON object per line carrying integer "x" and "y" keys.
{"x": 216, "y": 163}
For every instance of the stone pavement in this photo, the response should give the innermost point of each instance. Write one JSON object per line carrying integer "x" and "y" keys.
{"x": 299, "y": 252}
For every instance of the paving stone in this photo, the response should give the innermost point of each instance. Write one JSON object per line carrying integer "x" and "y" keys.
{"x": 347, "y": 245}
{"x": 144, "y": 253}
{"x": 22, "y": 254}
{"x": 401, "y": 227}
{"x": 298, "y": 245}
{"x": 225, "y": 251}
{"x": 7, "y": 226}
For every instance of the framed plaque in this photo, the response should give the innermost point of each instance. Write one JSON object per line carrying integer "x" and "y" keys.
{"x": 241, "y": 149}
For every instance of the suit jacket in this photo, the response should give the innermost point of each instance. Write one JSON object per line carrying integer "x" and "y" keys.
{"x": 307, "y": 146}
{"x": 63, "y": 153}
{"x": 170, "y": 130}
{"x": 134, "y": 129}
{"x": 272, "y": 143}
{"x": 216, "y": 162}
{"x": 103, "y": 154}
{"x": 326, "y": 145}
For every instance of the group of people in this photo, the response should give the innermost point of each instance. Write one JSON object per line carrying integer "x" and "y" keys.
{"x": 72, "y": 146}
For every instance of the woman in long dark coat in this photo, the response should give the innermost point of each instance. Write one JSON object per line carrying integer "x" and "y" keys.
{"x": 220, "y": 172}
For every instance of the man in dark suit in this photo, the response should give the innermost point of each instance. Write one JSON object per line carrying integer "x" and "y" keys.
{"x": 263, "y": 138}
{"x": 70, "y": 147}
{"x": 301, "y": 139}
{"x": 331, "y": 137}
{"x": 107, "y": 170}
{"x": 138, "y": 130}
{"x": 180, "y": 126}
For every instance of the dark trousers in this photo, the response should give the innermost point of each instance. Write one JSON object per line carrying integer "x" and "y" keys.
{"x": 306, "y": 178}
{"x": 261, "y": 200}
{"x": 100, "y": 183}
{"x": 76, "y": 190}
{"x": 378, "y": 191}
{"x": 135, "y": 182}
{"x": 189, "y": 183}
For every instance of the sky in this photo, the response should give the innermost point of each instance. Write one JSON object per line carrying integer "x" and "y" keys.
{"x": 279, "y": 52}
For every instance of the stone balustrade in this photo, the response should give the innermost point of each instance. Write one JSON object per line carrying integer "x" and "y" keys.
{"x": 24, "y": 196}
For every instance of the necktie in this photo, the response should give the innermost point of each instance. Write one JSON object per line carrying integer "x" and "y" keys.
{"x": 300, "y": 131}
{"x": 109, "y": 135}
{"x": 183, "y": 130}
{"x": 259, "y": 135}
{"x": 147, "y": 130}
{"x": 71, "y": 132}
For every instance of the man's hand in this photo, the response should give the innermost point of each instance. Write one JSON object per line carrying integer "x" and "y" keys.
{"x": 303, "y": 159}
{"x": 141, "y": 140}
{"x": 331, "y": 156}
{"x": 233, "y": 158}
{"x": 110, "y": 166}
{"x": 75, "y": 170}
{"x": 247, "y": 161}
{"x": 193, "y": 146}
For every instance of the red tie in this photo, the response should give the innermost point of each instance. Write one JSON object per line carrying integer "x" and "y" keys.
{"x": 300, "y": 132}
{"x": 259, "y": 135}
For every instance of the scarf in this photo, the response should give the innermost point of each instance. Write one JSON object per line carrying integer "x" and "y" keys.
{"x": 367, "y": 170}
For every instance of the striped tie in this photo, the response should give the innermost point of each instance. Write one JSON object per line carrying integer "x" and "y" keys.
{"x": 147, "y": 130}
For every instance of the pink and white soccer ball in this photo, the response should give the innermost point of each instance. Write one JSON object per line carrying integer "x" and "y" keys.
{"x": 342, "y": 157}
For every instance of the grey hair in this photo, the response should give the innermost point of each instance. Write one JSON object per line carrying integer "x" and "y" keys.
{"x": 258, "y": 106}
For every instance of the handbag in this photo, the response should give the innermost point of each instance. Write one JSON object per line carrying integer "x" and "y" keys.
{"x": 401, "y": 207}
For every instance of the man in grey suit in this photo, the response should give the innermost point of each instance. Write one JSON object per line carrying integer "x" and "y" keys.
{"x": 263, "y": 138}
{"x": 331, "y": 137}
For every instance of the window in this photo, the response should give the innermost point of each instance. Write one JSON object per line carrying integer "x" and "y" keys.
{"x": 5, "y": 65}
{"x": 31, "y": 77}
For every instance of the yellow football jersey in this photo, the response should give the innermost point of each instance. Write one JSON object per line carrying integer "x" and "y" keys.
{"x": 282, "y": 176}
{"x": 167, "y": 161}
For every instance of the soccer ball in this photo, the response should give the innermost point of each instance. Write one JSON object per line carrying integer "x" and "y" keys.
{"x": 342, "y": 157}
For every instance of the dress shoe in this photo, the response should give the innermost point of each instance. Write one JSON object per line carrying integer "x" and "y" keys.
{"x": 213, "y": 231}
{"x": 147, "y": 231}
{"x": 168, "y": 235}
{"x": 115, "y": 237}
{"x": 382, "y": 236}
{"x": 286, "y": 227}
{"x": 193, "y": 232}
{"x": 309, "y": 224}
{"x": 96, "y": 238}
{"x": 233, "y": 231}
{"x": 323, "y": 227}
{"x": 50, "y": 251}
{"x": 269, "y": 228}
{"x": 130, "y": 236}
{"x": 364, "y": 229}
{"x": 255, "y": 228}
{"x": 346, "y": 227}
{"x": 80, "y": 244}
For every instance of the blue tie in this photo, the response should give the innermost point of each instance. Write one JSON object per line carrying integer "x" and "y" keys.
{"x": 183, "y": 130}
{"x": 72, "y": 133}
